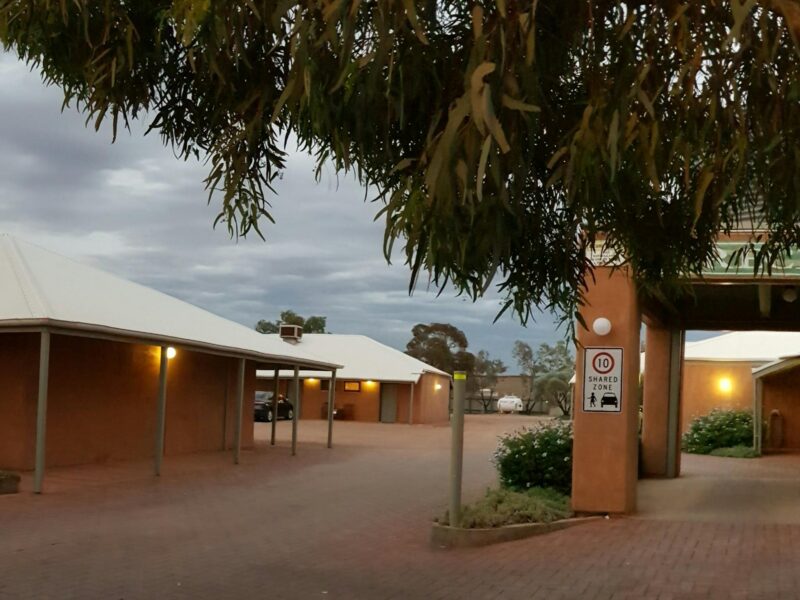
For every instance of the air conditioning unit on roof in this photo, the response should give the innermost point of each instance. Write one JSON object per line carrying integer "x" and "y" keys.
{"x": 291, "y": 333}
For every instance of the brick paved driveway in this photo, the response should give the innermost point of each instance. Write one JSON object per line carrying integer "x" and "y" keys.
{"x": 351, "y": 523}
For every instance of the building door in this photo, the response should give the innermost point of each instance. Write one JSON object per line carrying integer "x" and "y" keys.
{"x": 388, "y": 403}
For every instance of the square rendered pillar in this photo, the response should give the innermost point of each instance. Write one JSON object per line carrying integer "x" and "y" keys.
{"x": 605, "y": 450}
{"x": 661, "y": 436}
{"x": 655, "y": 420}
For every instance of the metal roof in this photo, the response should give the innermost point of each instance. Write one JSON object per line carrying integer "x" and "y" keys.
{"x": 39, "y": 288}
{"x": 745, "y": 346}
{"x": 363, "y": 358}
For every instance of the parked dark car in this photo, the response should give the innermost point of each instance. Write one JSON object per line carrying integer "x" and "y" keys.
{"x": 609, "y": 399}
{"x": 264, "y": 410}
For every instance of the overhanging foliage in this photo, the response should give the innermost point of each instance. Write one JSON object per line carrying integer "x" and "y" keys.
{"x": 503, "y": 136}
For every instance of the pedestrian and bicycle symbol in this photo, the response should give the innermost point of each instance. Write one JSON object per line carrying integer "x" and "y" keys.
{"x": 602, "y": 380}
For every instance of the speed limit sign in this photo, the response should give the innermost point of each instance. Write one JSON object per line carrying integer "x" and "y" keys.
{"x": 602, "y": 380}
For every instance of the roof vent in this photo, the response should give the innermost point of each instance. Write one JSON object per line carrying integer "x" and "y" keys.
{"x": 291, "y": 333}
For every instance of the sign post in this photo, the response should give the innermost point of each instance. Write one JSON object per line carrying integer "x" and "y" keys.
{"x": 457, "y": 446}
{"x": 602, "y": 380}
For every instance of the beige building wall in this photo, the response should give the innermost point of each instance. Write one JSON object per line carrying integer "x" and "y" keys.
{"x": 701, "y": 391}
{"x": 102, "y": 401}
{"x": 431, "y": 399}
{"x": 782, "y": 394}
{"x": 511, "y": 385}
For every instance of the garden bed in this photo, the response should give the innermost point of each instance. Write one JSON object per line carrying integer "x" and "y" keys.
{"x": 444, "y": 536}
{"x": 503, "y": 515}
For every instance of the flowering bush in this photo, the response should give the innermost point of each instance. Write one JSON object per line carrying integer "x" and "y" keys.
{"x": 539, "y": 456}
{"x": 719, "y": 429}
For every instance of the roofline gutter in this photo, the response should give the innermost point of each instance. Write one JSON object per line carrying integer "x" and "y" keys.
{"x": 775, "y": 367}
{"x": 314, "y": 374}
{"x": 729, "y": 360}
{"x": 58, "y": 327}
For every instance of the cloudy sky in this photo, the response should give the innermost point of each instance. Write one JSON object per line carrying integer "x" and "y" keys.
{"x": 133, "y": 209}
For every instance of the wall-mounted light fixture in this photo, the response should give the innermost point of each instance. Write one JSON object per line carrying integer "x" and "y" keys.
{"x": 601, "y": 326}
{"x": 438, "y": 386}
{"x": 725, "y": 385}
{"x": 171, "y": 353}
{"x": 789, "y": 294}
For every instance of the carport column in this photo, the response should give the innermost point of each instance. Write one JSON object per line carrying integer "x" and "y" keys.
{"x": 41, "y": 411}
{"x": 275, "y": 395}
{"x": 331, "y": 400}
{"x": 411, "y": 405}
{"x": 758, "y": 414}
{"x": 295, "y": 409}
{"x": 605, "y": 447}
{"x": 677, "y": 339}
{"x": 161, "y": 411}
{"x": 661, "y": 418}
{"x": 457, "y": 447}
{"x": 237, "y": 427}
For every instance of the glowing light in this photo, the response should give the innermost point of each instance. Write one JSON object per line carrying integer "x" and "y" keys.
{"x": 369, "y": 382}
{"x": 171, "y": 352}
{"x": 725, "y": 385}
{"x": 438, "y": 386}
{"x": 311, "y": 380}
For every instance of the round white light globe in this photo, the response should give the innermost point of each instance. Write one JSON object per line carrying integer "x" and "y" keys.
{"x": 601, "y": 326}
{"x": 789, "y": 294}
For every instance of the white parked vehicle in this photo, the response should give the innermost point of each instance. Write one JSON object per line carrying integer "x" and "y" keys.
{"x": 510, "y": 404}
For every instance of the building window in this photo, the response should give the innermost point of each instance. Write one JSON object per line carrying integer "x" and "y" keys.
{"x": 352, "y": 386}
{"x": 325, "y": 385}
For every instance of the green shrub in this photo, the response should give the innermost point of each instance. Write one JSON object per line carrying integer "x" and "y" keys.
{"x": 538, "y": 456}
{"x": 719, "y": 429}
{"x": 507, "y": 507}
{"x": 735, "y": 452}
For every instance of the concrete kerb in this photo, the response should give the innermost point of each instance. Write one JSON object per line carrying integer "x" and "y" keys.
{"x": 444, "y": 536}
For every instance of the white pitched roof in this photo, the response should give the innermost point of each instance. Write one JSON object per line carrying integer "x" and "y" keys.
{"x": 745, "y": 346}
{"x": 363, "y": 358}
{"x": 40, "y": 288}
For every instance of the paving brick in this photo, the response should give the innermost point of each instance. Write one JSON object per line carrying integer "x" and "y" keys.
{"x": 349, "y": 523}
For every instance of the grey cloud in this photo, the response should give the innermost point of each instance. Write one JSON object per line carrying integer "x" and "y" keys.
{"x": 132, "y": 208}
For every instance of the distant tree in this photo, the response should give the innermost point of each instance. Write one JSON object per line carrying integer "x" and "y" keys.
{"x": 441, "y": 345}
{"x": 484, "y": 377}
{"x": 315, "y": 325}
{"x": 267, "y": 326}
{"x": 554, "y": 388}
{"x": 555, "y": 367}
{"x": 523, "y": 354}
{"x": 551, "y": 364}
{"x": 289, "y": 317}
{"x": 550, "y": 359}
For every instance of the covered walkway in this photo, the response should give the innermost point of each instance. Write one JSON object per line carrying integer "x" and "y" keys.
{"x": 84, "y": 353}
{"x": 726, "y": 490}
